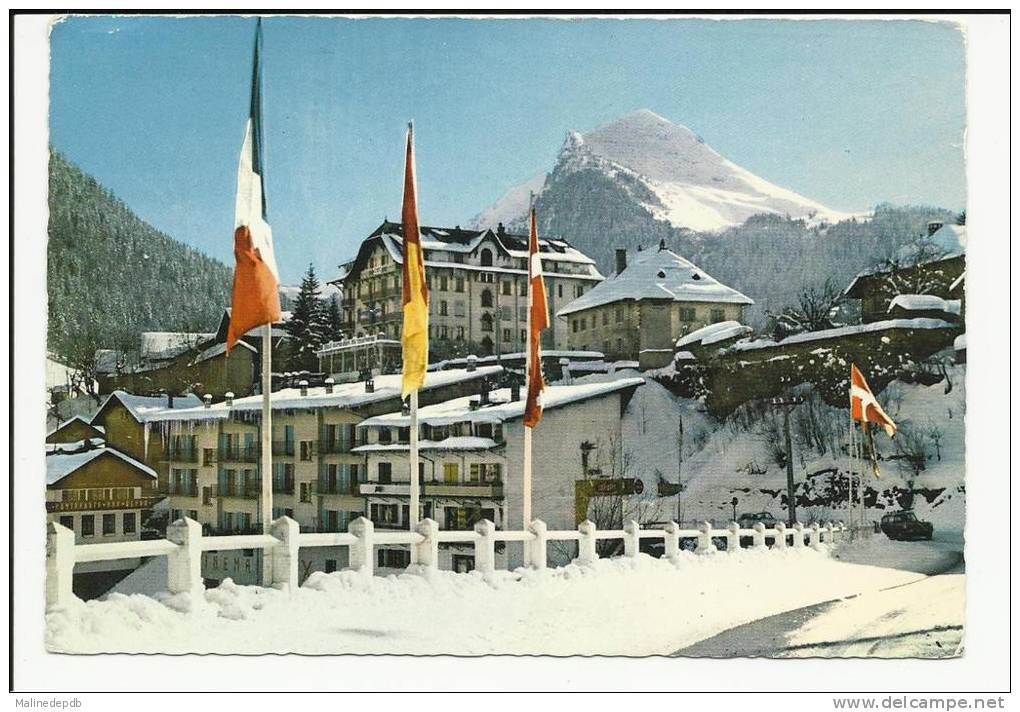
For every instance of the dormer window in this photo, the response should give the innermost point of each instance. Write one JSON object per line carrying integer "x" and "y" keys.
{"x": 486, "y": 257}
{"x": 662, "y": 274}
{"x": 695, "y": 276}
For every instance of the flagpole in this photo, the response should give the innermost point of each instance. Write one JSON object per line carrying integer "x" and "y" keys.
{"x": 526, "y": 482}
{"x": 412, "y": 520}
{"x": 850, "y": 475}
{"x": 267, "y": 429}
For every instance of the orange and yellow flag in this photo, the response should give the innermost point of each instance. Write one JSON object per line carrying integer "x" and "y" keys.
{"x": 538, "y": 320}
{"x": 415, "y": 334}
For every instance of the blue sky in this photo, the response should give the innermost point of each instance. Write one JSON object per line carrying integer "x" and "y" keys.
{"x": 847, "y": 113}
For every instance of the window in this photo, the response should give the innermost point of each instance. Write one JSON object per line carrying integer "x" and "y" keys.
{"x": 718, "y": 315}
{"x": 306, "y": 492}
{"x": 584, "y": 324}
{"x": 573, "y": 325}
{"x": 444, "y": 283}
{"x": 458, "y": 308}
{"x": 129, "y": 523}
{"x": 443, "y": 309}
{"x": 393, "y": 558}
{"x": 208, "y": 456}
{"x": 524, "y": 334}
{"x": 193, "y": 514}
{"x": 507, "y": 334}
{"x": 306, "y": 450}
{"x": 460, "y": 333}
{"x": 330, "y": 565}
{"x": 109, "y": 524}
{"x": 487, "y": 322}
{"x": 459, "y": 284}
{"x": 442, "y": 332}
{"x": 486, "y": 298}
{"x": 88, "y": 525}
{"x": 619, "y": 314}
{"x": 507, "y": 288}
{"x": 605, "y": 317}
{"x": 559, "y": 291}
{"x": 385, "y": 473}
{"x": 687, "y": 314}
{"x": 523, "y": 288}
{"x": 68, "y": 522}
{"x": 578, "y": 290}
{"x": 486, "y": 255}
{"x": 451, "y": 473}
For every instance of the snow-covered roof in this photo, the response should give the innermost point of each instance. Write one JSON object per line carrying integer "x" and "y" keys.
{"x": 457, "y": 443}
{"x": 925, "y": 302}
{"x": 75, "y": 446}
{"x": 78, "y": 418}
{"x": 572, "y": 356}
{"x": 823, "y": 334}
{"x": 684, "y": 356}
{"x": 945, "y": 243}
{"x": 141, "y": 407}
{"x": 501, "y": 408}
{"x": 221, "y": 348}
{"x": 714, "y": 333}
{"x": 59, "y": 465}
{"x": 165, "y": 344}
{"x": 344, "y": 395}
{"x": 960, "y": 343}
{"x": 657, "y": 274}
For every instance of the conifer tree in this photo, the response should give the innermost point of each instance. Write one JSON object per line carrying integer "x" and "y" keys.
{"x": 333, "y": 321}
{"x": 306, "y": 324}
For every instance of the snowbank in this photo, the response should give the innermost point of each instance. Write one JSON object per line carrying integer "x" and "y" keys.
{"x": 638, "y": 606}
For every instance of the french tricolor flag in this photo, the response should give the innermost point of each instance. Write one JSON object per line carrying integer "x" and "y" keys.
{"x": 256, "y": 295}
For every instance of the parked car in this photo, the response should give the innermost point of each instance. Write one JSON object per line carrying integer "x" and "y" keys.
{"x": 749, "y": 519}
{"x": 905, "y": 526}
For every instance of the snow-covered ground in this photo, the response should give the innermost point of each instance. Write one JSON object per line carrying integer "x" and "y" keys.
{"x": 639, "y": 606}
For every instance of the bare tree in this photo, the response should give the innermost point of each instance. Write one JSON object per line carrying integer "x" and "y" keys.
{"x": 816, "y": 308}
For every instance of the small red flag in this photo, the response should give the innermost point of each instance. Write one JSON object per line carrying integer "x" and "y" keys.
{"x": 538, "y": 319}
{"x": 864, "y": 406}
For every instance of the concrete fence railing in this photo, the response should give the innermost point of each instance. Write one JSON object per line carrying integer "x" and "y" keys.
{"x": 185, "y": 543}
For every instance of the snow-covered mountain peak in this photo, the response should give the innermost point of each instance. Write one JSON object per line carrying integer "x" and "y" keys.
{"x": 673, "y": 175}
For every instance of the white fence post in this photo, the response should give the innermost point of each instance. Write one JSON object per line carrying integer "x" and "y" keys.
{"x": 362, "y": 551}
{"x": 780, "y": 542}
{"x": 537, "y": 549}
{"x": 815, "y": 536}
{"x": 586, "y": 551}
{"x": 285, "y": 554}
{"x": 428, "y": 550}
{"x": 672, "y": 541}
{"x": 798, "y": 535}
{"x": 830, "y": 533}
{"x": 842, "y": 529}
{"x": 705, "y": 545}
{"x": 732, "y": 537}
{"x": 758, "y": 538}
{"x": 59, "y": 565}
{"x": 184, "y": 565}
{"x": 631, "y": 538}
{"x": 485, "y": 547}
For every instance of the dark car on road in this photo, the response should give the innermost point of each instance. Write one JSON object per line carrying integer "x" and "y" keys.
{"x": 749, "y": 519}
{"x": 905, "y": 526}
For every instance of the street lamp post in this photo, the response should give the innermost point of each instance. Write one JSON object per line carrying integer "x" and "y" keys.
{"x": 788, "y": 404}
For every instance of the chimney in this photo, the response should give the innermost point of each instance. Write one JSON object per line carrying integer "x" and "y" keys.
{"x": 229, "y": 398}
{"x": 500, "y": 230}
{"x": 565, "y": 368}
{"x": 640, "y": 248}
{"x": 662, "y": 245}
{"x": 369, "y": 383}
{"x": 934, "y": 226}
{"x": 473, "y": 404}
{"x": 303, "y": 385}
{"x": 207, "y": 399}
{"x": 329, "y": 384}
{"x": 621, "y": 259}
{"x": 472, "y": 362}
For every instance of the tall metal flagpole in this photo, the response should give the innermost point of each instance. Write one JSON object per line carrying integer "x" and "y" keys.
{"x": 526, "y": 484}
{"x": 415, "y": 483}
{"x": 267, "y": 429}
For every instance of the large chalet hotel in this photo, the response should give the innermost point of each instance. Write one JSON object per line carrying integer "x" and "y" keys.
{"x": 478, "y": 283}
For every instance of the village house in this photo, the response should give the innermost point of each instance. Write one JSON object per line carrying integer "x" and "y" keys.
{"x": 122, "y": 416}
{"x": 213, "y": 458}
{"x": 640, "y": 312}
{"x": 934, "y": 266}
{"x": 102, "y": 495}
{"x": 471, "y": 451}
{"x": 73, "y": 430}
{"x": 478, "y": 282}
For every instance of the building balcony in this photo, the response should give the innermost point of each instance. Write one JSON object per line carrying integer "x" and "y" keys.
{"x": 284, "y": 486}
{"x": 183, "y": 490}
{"x": 248, "y": 491}
{"x": 239, "y": 454}
{"x": 188, "y": 456}
{"x": 94, "y": 505}
{"x": 464, "y": 489}
{"x": 337, "y": 488}
{"x": 338, "y": 447}
{"x": 284, "y": 448}
{"x": 397, "y": 488}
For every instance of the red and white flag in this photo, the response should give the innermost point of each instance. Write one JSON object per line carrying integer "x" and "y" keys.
{"x": 864, "y": 406}
{"x": 538, "y": 319}
{"x": 256, "y": 295}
